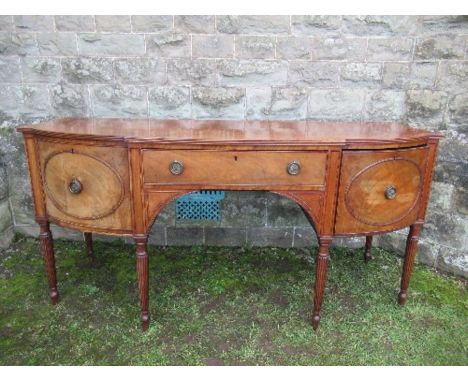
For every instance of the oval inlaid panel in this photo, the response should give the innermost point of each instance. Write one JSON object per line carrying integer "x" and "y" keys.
{"x": 365, "y": 194}
{"x": 101, "y": 187}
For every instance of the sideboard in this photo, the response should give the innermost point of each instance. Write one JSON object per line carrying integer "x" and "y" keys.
{"x": 114, "y": 176}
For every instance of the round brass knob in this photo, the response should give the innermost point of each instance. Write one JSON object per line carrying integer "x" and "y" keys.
{"x": 75, "y": 186}
{"x": 176, "y": 167}
{"x": 390, "y": 192}
{"x": 294, "y": 167}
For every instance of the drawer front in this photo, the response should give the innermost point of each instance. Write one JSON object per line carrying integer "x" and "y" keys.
{"x": 86, "y": 186}
{"x": 234, "y": 168}
{"x": 379, "y": 190}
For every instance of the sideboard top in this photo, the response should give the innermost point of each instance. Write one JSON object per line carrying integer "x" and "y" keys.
{"x": 350, "y": 134}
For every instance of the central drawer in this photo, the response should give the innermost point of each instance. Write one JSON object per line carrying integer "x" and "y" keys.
{"x": 210, "y": 167}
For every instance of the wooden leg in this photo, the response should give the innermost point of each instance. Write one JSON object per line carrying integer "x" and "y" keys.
{"x": 367, "y": 250}
{"x": 320, "y": 278}
{"x": 88, "y": 237}
{"x": 47, "y": 247}
{"x": 410, "y": 255}
{"x": 142, "y": 272}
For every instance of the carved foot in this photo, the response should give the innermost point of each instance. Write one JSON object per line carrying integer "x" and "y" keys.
{"x": 402, "y": 296}
{"x": 315, "y": 321}
{"x": 145, "y": 320}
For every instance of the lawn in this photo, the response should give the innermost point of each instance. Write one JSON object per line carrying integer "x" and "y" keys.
{"x": 225, "y": 306}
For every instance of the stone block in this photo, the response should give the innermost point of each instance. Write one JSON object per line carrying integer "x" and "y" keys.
{"x": 361, "y": 74}
{"x": 34, "y": 23}
{"x": 57, "y": 44}
{"x": 171, "y": 102}
{"x": 316, "y": 25}
{"x": 70, "y": 100}
{"x": 255, "y": 47}
{"x": 253, "y": 24}
{"x": 9, "y": 70}
{"x": 243, "y": 209}
{"x": 119, "y": 101}
{"x": 114, "y": 23}
{"x": 405, "y": 75}
{"x": 425, "y": 107}
{"x": 294, "y": 47}
{"x": 457, "y": 111}
{"x": 151, "y": 24}
{"x": 453, "y": 261}
{"x": 284, "y": 212}
{"x": 184, "y": 236}
{"x": 166, "y": 217}
{"x": 445, "y": 229}
{"x": 380, "y": 25}
{"x": 168, "y": 44}
{"x": 192, "y": 72}
{"x": 10, "y": 99}
{"x": 34, "y": 102}
{"x": 304, "y": 237}
{"x": 6, "y": 23}
{"x": 6, "y": 237}
{"x": 112, "y": 44}
{"x": 270, "y": 237}
{"x": 218, "y": 102}
{"x": 40, "y": 69}
{"x": 18, "y": 44}
{"x": 453, "y": 75}
{"x": 5, "y": 216}
{"x": 213, "y": 46}
{"x": 252, "y": 72}
{"x": 384, "y": 105}
{"x": 140, "y": 71}
{"x": 389, "y": 49}
{"x": 336, "y": 104}
{"x": 194, "y": 24}
{"x": 446, "y": 23}
{"x": 440, "y": 47}
{"x": 314, "y": 74}
{"x": 460, "y": 200}
{"x": 230, "y": 237}
{"x": 87, "y": 70}
{"x": 339, "y": 48}
{"x": 157, "y": 236}
{"x": 276, "y": 103}
{"x": 441, "y": 196}
{"x": 75, "y": 23}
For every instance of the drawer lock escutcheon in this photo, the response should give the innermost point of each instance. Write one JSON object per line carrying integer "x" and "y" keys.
{"x": 75, "y": 186}
{"x": 294, "y": 167}
{"x": 390, "y": 192}
{"x": 176, "y": 167}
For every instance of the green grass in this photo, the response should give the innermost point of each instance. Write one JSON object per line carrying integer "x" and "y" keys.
{"x": 231, "y": 306}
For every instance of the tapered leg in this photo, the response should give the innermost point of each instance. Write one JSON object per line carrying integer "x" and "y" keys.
{"x": 367, "y": 250}
{"x": 88, "y": 236}
{"x": 47, "y": 247}
{"x": 142, "y": 272}
{"x": 410, "y": 255}
{"x": 320, "y": 278}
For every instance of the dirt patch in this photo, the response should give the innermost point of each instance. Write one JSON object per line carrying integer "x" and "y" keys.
{"x": 277, "y": 297}
{"x": 214, "y": 361}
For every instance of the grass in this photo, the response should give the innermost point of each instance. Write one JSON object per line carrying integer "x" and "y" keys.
{"x": 225, "y": 306}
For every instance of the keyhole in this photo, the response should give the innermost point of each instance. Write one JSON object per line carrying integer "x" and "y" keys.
{"x": 235, "y": 157}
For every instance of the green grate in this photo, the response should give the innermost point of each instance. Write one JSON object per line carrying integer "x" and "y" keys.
{"x": 201, "y": 205}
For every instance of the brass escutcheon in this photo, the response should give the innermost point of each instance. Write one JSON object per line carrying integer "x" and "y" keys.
{"x": 75, "y": 186}
{"x": 176, "y": 167}
{"x": 390, "y": 192}
{"x": 294, "y": 167}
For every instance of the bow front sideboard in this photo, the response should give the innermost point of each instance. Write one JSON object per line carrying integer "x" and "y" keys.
{"x": 114, "y": 176}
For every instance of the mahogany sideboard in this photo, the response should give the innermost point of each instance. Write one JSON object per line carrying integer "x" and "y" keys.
{"x": 114, "y": 176}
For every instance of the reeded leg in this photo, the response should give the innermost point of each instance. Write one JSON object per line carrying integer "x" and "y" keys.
{"x": 320, "y": 278}
{"x": 47, "y": 247}
{"x": 367, "y": 249}
{"x": 88, "y": 237}
{"x": 142, "y": 272}
{"x": 410, "y": 255}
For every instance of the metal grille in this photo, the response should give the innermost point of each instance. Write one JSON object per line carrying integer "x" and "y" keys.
{"x": 201, "y": 205}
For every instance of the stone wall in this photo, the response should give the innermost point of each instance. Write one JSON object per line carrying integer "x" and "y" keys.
{"x": 412, "y": 69}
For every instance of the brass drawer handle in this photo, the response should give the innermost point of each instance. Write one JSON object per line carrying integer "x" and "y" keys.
{"x": 75, "y": 186}
{"x": 390, "y": 192}
{"x": 294, "y": 167}
{"x": 176, "y": 167}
